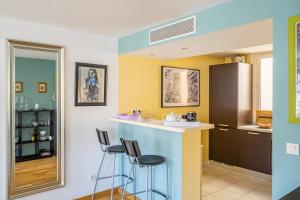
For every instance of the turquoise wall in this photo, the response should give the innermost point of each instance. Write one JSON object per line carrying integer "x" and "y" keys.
{"x": 286, "y": 168}
{"x": 31, "y": 71}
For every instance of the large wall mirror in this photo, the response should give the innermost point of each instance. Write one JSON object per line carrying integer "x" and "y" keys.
{"x": 36, "y": 118}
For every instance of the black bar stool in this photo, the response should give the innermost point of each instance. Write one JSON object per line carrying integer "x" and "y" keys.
{"x": 114, "y": 150}
{"x": 137, "y": 159}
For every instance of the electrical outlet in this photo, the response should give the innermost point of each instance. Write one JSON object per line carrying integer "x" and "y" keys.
{"x": 292, "y": 149}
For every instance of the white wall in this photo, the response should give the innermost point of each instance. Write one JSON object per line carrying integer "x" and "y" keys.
{"x": 82, "y": 152}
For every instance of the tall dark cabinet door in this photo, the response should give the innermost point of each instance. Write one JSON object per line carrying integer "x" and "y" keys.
{"x": 222, "y": 145}
{"x": 223, "y": 94}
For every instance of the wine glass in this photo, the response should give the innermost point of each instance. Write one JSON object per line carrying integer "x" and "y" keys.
{"x": 26, "y": 104}
{"x": 16, "y": 102}
{"x": 21, "y": 107}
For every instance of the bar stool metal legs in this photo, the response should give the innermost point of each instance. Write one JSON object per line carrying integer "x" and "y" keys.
{"x": 98, "y": 175}
{"x": 148, "y": 190}
{"x": 147, "y": 161}
{"x": 134, "y": 181}
{"x": 112, "y": 150}
{"x": 113, "y": 180}
{"x": 147, "y": 182}
{"x": 127, "y": 182}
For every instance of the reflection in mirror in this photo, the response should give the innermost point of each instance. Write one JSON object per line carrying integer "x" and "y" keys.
{"x": 36, "y": 118}
{"x": 298, "y": 71}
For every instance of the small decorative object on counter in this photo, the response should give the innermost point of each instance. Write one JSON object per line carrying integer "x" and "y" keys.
{"x": 191, "y": 116}
{"x": 172, "y": 117}
{"x": 127, "y": 117}
{"x": 136, "y": 115}
{"x": 183, "y": 118}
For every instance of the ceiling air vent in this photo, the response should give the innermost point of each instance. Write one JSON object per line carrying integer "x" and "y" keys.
{"x": 173, "y": 30}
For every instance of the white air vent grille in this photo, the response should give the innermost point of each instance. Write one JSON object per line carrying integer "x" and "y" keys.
{"x": 173, "y": 30}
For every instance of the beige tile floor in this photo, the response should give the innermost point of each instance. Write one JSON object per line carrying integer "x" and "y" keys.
{"x": 228, "y": 183}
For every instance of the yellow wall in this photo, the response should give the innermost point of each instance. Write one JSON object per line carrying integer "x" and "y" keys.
{"x": 140, "y": 87}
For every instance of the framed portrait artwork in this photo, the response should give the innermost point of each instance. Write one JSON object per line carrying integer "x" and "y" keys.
{"x": 294, "y": 69}
{"x": 19, "y": 87}
{"x": 90, "y": 84}
{"x": 180, "y": 87}
{"x": 42, "y": 87}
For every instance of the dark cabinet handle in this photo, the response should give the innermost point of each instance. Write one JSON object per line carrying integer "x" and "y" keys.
{"x": 253, "y": 133}
{"x": 223, "y": 125}
{"x": 223, "y": 129}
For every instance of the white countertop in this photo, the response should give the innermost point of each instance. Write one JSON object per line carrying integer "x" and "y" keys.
{"x": 158, "y": 124}
{"x": 255, "y": 128}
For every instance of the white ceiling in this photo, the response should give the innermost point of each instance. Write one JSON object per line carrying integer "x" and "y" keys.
{"x": 248, "y": 50}
{"x": 111, "y": 17}
{"x": 256, "y": 35}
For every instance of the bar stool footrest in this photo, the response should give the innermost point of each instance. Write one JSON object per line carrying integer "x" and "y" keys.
{"x": 144, "y": 191}
{"x": 118, "y": 175}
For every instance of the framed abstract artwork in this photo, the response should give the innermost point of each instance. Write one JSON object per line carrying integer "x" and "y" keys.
{"x": 294, "y": 69}
{"x": 90, "y": 84}
{"x": 180, "y": 87}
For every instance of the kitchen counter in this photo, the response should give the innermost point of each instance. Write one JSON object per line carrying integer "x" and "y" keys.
{"x": 181, "y": 147}
{"x": 254, "y": 128}
{"x": 159, "y": 124}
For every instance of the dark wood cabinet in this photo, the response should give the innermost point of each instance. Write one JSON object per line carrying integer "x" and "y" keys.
{"x": 246, "y": 149}
{"x": 231, "y": 106}
{"x": 254, "y": 151}
{"x": 222, "y": 146}
{"x": 230, "y": 94}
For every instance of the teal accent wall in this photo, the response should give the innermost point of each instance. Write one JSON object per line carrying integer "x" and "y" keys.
{"x": 30, "y": 71}
{"x": 286, "y": 168}
{"x": 224, "y": 16}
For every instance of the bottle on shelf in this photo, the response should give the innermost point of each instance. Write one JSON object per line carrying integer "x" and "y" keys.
{"x": 21, "y": 106}
{"x": 36, "y": 105}
{"x": 26, "y": 107}
{"x": 16, "y": 102}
